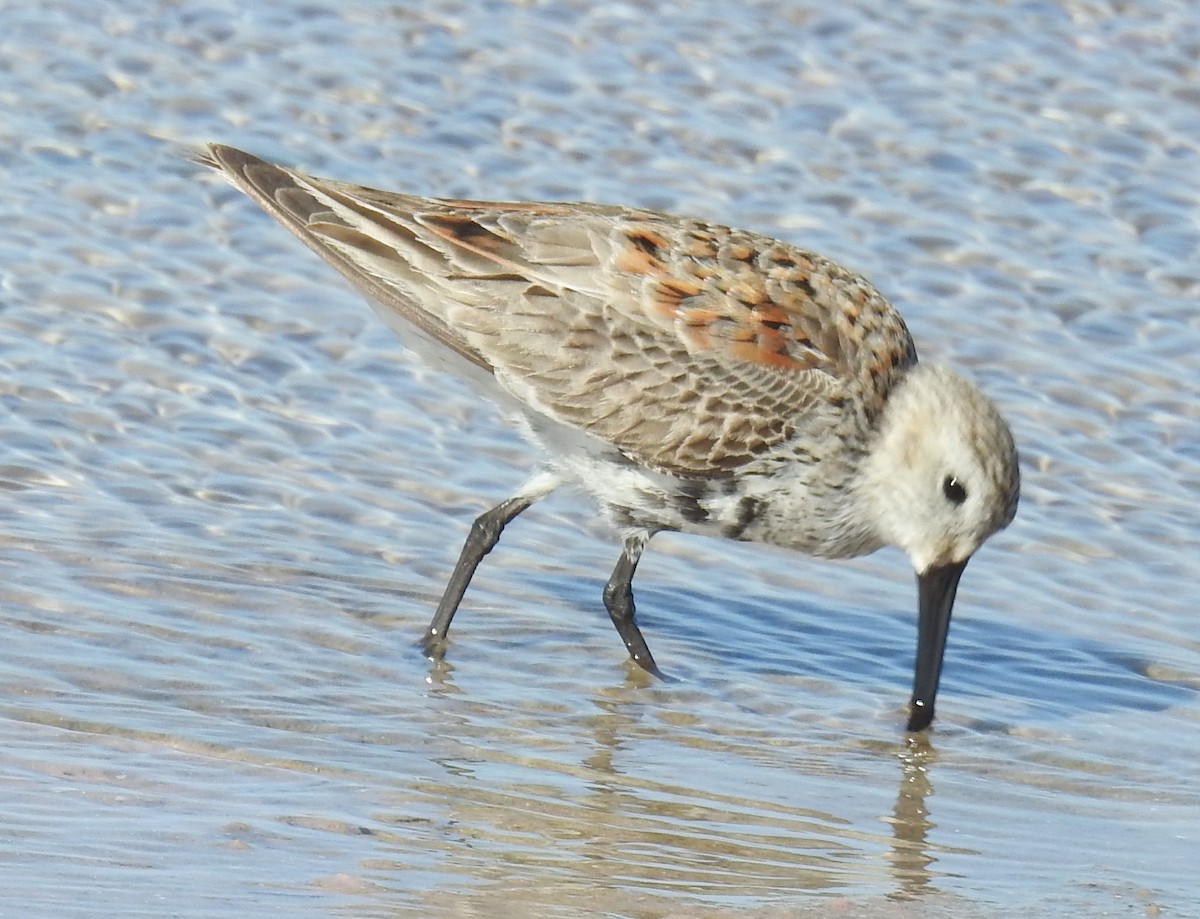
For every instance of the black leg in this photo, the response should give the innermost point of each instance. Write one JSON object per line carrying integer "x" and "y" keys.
{"x": 485, "y": 533}
{"x": 618, "y": 600}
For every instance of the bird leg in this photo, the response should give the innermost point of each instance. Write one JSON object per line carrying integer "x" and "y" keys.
{"x": 618, "y": 600}
{"x": 485, "y": 533}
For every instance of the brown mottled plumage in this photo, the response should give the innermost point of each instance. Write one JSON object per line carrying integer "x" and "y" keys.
{"x": 691, "y": 376}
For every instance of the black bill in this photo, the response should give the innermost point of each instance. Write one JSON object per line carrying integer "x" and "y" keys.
{"x": 935, "y": 590}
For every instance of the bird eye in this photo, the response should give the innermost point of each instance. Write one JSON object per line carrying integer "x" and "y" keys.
{"x": 953, "y": 489}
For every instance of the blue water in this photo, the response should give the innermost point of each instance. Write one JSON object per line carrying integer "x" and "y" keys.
{"x": 231, "y": 499}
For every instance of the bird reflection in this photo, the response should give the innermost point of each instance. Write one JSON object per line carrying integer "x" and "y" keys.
{"x": 581, "y": 796}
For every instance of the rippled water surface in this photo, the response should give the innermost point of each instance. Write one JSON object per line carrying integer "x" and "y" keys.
{"x": 231, "y": 500}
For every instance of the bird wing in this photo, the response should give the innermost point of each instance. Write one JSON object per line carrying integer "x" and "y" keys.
{"x": 693, "y": 348}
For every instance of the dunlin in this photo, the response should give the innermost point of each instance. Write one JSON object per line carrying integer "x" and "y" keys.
{"x": 691, "y": 377}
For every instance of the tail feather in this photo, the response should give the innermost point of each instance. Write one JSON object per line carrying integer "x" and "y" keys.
{"x": 374, "y": 251}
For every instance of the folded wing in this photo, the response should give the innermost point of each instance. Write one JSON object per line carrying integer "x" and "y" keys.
{"x": 692, "y": 348}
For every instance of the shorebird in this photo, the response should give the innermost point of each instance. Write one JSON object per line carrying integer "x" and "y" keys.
{"x": 691, "y": 377}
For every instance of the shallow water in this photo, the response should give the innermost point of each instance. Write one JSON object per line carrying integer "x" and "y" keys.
{"x": 231, "y": 500}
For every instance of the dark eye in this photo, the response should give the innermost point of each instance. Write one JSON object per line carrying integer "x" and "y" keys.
{"x": 953, "y": 489}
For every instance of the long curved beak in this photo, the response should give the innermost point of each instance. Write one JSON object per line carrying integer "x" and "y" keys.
{"x": 935, "y": 590}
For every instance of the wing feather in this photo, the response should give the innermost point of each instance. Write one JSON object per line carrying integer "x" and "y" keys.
{"x": 692, "y": 348}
